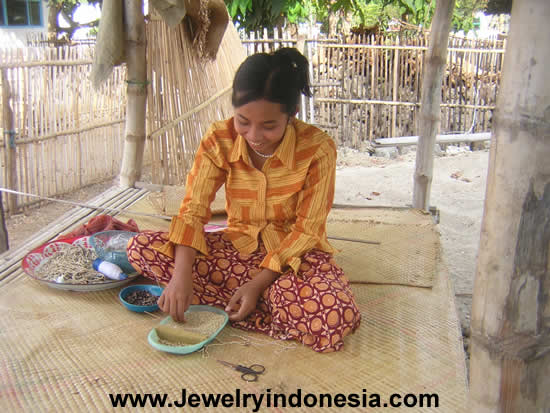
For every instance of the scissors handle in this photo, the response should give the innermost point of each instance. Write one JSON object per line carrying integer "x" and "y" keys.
{"x": 251, "y": 372}
{"x": 257, "y": 368}
{"x": 249, "y": 377}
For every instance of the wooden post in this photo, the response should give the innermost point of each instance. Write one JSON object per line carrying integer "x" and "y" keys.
{"x": 9, "y": 142}
{"x": 430, "y": 110}
{"x": 4, "y": 241}
{"x": 394, "y": 90}
{"x": 510, "y": 360}
{"x": 134, "y": 143}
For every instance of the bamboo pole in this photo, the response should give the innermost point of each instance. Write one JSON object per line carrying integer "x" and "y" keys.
{"x": 407, "y": 47}
{"x": 510, "y": 361}
{"x": 430, "y": 110}
{"x": 372, "y": 67}
{"x": 309, "y": 47}
{"x": 75, "y": 131}
{"x": 266, "y": 41}
{"x": 365, "y": 101}
{"x": 394, "y": 90}
{"x": 62, "y": 63}
{"x": 189, "y": 113}
{"x": 136, "y": 90}
{"x": 4, "y": 242}
{"x": 9, "y": 141}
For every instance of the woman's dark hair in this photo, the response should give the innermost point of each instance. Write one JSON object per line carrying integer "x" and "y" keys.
{"x": 278, "y": 77}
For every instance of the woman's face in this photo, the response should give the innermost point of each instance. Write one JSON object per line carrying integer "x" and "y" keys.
{"x": 262, "y": 124}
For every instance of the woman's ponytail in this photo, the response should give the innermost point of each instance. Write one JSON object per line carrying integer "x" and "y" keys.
{"x": 278, "y": 77}
{"x": 297, "y": 64}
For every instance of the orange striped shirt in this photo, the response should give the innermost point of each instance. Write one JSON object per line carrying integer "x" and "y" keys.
{"x": 286, "y": 203}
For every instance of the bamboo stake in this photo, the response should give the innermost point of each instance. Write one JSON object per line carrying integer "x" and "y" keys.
{"x": 308, "y": 45}
{"x": 54, "y": 98}
{"x": 368, "y": 102}
{"x": 18, "y": 170}
{"x": 364, "y": 55}
{"x": 4, "y": 242}
{"x": 152, "y": 101}
{"x": 9, "y": 141}
{"x": 171, "y": 83}
{"x": 343, "y": 80}
{"x": 75, "y": 131}
{"x": 394, "y": 90}
{"x": 37, "y": 146}
{"x": 63, "y": 63}
{"x": 78, "y": 141}
{"x": 371, "y": 108}
{"x": 430, "y": 107}
{"x": 134, "y": 143}
{"x": 252, "y": 43}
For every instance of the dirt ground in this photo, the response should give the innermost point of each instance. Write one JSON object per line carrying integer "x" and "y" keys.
{"x": 458, "y": 191}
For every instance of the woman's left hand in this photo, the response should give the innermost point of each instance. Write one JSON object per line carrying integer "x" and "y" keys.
{"x": 248, "y": 295}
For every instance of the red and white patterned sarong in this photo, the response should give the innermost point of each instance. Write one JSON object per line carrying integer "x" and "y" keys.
{"x": 315, "y": 306}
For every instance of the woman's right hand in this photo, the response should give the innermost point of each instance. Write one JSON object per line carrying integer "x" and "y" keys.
{"x": 176, "y": 297}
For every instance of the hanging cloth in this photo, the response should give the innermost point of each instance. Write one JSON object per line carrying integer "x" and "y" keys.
{"x": 110, "y": 49}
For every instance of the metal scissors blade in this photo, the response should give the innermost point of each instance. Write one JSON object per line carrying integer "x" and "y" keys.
{"x": 250, "y": 373}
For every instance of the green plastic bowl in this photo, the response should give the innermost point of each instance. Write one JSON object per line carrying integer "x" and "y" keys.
{"x": 153, "y": 337}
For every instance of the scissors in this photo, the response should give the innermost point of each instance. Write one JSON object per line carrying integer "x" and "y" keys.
{"x": 249, "y": 373}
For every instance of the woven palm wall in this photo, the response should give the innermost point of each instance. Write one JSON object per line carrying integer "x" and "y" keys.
{"x": 186, "y": 94}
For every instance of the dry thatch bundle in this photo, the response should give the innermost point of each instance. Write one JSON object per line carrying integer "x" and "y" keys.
{"x": 187, "y": 94}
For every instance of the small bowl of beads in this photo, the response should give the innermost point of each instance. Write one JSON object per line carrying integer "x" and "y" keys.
{"x": 141, "y": 297}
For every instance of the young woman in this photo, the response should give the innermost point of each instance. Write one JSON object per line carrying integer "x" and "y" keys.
{"x": 271, "y": 269}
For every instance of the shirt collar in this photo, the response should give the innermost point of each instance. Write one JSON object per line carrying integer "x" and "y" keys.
{"x": 239, "y": 150}
{"x": 285, "y": 152}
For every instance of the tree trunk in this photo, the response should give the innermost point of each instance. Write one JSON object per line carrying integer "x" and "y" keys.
{"x": 510, "y": 361}
{"x": 332, "y": 21}
{"x": 430, "y": 106}
{"x": 53, "y": 11}
{"x": 134, "y": 143}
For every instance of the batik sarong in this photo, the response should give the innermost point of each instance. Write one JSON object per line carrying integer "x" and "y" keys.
{"x": 314, "y": 306}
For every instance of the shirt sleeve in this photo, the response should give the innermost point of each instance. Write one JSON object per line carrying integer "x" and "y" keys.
{"x": 314, "y": 204}
{"x": 203, "y": 181}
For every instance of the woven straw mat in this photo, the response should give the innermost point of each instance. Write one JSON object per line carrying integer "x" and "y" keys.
{"x": 407, "y": 252}
{"x": 63, "y": 351}
{"x": 168, "y": 201}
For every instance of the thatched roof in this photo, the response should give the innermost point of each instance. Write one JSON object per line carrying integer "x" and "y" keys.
{"x": 188, "y": 92}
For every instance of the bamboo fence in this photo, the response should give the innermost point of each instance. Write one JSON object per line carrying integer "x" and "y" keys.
{"x": 368, "y": 87}
{"x": 263, "y": 43}
{"x": 186, "y": 95}
{"x": 58, "y": 133}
